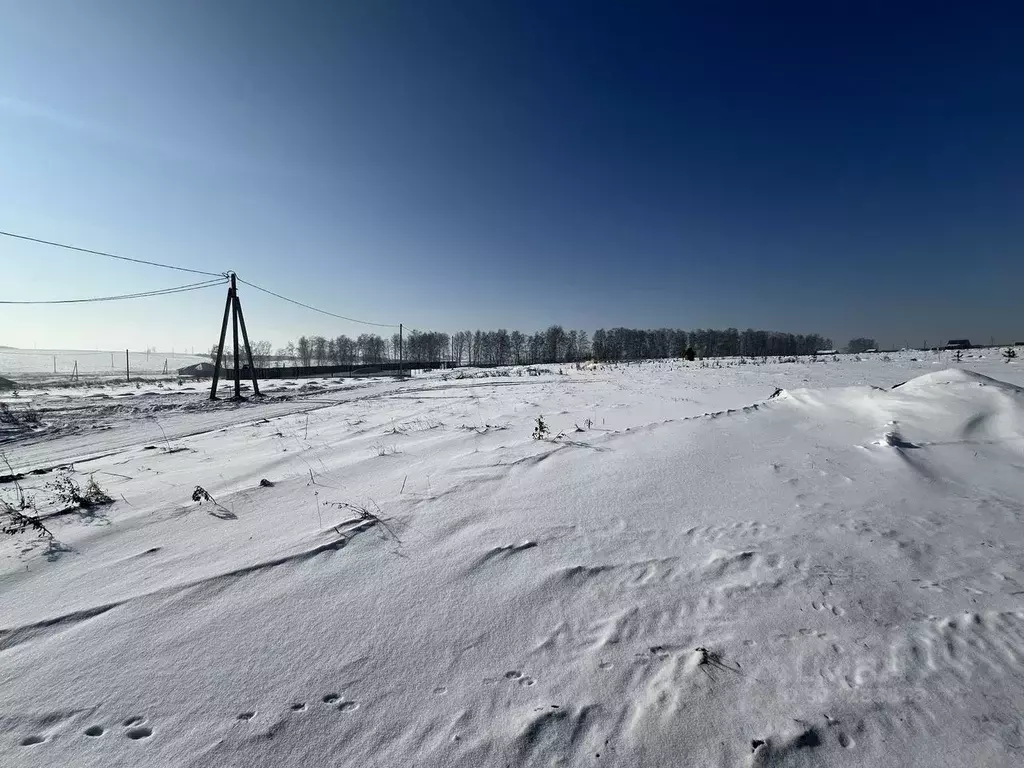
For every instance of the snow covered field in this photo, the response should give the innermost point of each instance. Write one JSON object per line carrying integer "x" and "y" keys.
{"x": 18, "y": 364}
{"x": 687, "y": 571}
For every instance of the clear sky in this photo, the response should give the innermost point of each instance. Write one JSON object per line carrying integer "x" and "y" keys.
{"x": 842, "y": 168}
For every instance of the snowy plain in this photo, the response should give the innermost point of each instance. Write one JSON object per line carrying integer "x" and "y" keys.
{"x": 685, "y": 571}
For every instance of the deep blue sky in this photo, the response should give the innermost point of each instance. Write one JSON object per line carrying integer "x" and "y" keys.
{"x": 842, "y": 168}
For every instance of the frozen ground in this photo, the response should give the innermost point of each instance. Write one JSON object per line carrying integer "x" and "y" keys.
{"x": 700, "y": 576}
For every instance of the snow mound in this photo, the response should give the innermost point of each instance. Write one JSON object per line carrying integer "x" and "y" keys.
{"x": 959, "y": 377}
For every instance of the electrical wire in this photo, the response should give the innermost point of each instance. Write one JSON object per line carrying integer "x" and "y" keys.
{"x": 194, "y": 286}
{"x": 123, "y": 296}
{"x": 316, "y": 309}
{"x": 108, "y": 255}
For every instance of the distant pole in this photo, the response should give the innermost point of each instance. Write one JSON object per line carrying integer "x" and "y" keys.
{"x": 111, "y": 360}
{"x": 54, "y": 363}
{"x": 401, "y": 358}
{"x": 234, "y": 336}
{"x": 127, "y": 369}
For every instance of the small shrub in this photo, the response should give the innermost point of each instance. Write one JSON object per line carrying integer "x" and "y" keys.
{"x": 94, "y": 495}
{"x": 68, "y": 492}
{"x": 200, "y": 495}
{"x": 21, "y": 516}
{"x": 1009, "y": 354}
{"x": 65, "y": 489}
{"x": 540, "y": 430}
{"x": 14, "y": 521}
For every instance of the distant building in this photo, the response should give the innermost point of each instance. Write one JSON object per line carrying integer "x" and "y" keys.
{"x": 199, "y": 369}
{"x": 959, "y": 344}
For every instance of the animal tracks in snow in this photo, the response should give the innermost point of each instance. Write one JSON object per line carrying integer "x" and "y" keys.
{"x": 332, "y": 699}
{"x": 835, "y": 610}
{"x": 138, "y": 728}
{"x": 133, "y": 728}
{"x": 743, "y": 530}
{"x": 512, "y": 676}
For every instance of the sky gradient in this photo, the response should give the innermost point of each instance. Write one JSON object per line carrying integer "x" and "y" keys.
{"x": 849, "y": 169}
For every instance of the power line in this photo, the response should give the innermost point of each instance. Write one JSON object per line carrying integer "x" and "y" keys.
{"x": 316, "y": 309}
{"x": 108, "y": 255}
{"x": 139, "y": 295}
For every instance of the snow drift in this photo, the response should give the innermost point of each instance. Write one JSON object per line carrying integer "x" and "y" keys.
{"x": 760, "y": 585}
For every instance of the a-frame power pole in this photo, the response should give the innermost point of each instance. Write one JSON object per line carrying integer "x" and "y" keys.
{"x": 233, "y": 307}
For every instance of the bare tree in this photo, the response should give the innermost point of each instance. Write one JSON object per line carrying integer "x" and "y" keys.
{"x": 319, "y": 349}
{"x": 261, "y": 351}
{"x": 344, "y": 350}
{"x": 458, "y": 347}
{"x": 554, "y": 344}
{"x": 305, "y": 351}
{"x": 226, "y": 360}
{"x": 518, "y": 343}
{"x": 582, "y": 345}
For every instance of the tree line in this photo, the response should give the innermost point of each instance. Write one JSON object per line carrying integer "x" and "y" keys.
{"x": 554, "y": 345}
{"x": 634, "y": 344}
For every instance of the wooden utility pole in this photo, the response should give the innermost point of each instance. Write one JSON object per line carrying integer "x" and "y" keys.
{"x": 234, "y": 336}
{"x": 401, "y": 360}
{"x": 233, "y": 307}
{"x": 220, "y": 345}
{"x": 127, "y": 368}
{"x": 245, "y": 338}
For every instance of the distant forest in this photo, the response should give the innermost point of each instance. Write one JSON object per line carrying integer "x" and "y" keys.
{"x": 555, "y": 345}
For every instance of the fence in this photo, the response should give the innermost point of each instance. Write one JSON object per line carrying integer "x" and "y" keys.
{"x": 314, "y": 371}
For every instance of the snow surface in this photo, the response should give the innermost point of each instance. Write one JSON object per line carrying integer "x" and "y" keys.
{"x": 705, "y": 575}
